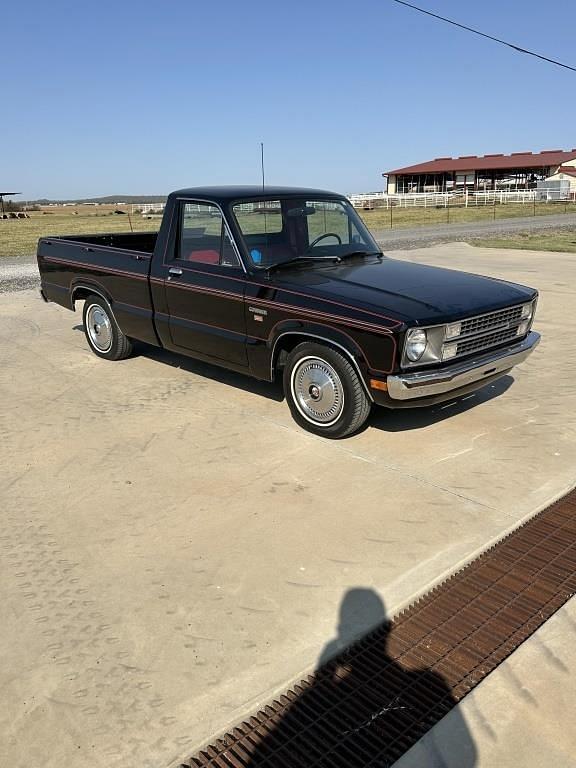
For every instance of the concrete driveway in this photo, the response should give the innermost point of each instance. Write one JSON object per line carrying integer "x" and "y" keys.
{"x": 175, "y": 549}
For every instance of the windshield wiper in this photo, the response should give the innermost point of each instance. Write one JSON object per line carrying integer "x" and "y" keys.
{"x": 361, "y": 253}
{"x": 294, "y": 259}
{"x": 309, "y": 257}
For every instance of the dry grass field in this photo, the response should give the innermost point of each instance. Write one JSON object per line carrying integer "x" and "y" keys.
{"x": 19, "y": 237}
{"x": 383, "y": 218}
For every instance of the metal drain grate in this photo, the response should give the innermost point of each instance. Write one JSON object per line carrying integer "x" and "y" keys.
{"x": 374, "y": 701}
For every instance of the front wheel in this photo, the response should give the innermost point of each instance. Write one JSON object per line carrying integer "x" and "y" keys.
{"x": 324, "y": 392}
{"x": 102, "y": 332}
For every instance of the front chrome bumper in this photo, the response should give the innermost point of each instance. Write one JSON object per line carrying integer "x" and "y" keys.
{"x": 408, "y": 386}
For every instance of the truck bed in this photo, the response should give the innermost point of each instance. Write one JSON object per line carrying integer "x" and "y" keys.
{"x": 143, "y": 242}
{"x": 115, "y": 266}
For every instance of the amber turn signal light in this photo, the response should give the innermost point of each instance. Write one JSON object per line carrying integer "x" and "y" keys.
{"x": 377, "y": 384}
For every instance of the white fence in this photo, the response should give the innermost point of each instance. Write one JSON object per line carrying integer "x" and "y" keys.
{"x": 147, "y": 207}
{"x": 426, "y": 199}
{"x": 367, "y": 199}
{"x": 500, "y": 196}
{"x": 464, "y": 198}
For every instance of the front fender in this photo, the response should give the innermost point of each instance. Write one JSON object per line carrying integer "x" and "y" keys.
{"x": 354, "y": 342}
{"x": 292, "y": 329}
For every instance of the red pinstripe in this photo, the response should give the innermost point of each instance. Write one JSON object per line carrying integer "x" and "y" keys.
{"x": 295, "y": 293}
{"x": 286, "y": 307}
{"x": 307, "y": 313}
{"x": 84, "y": 265}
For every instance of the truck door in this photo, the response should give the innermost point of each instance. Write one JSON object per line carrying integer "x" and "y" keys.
{"x": 204, "y": 286}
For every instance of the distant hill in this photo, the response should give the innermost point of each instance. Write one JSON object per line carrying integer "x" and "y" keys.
{"x": 134, "y": 199}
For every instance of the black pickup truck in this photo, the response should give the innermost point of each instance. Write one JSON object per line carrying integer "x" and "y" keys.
{"x": 290, "y": 282}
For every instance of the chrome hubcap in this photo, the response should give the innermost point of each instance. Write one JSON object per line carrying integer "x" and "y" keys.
{"x": 99, "y": 328}
{"x": 317, "y": 391}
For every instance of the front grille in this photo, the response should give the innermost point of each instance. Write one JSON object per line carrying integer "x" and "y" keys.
{"x": 493, "y": 321}
{"x": 478, "y": 343}
{"x": 484, "y": 332}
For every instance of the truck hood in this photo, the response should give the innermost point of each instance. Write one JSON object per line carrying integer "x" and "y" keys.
{"x": 415, "y": 294}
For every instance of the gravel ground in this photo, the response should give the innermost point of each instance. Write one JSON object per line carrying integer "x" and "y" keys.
{"x": 19, "y": 274}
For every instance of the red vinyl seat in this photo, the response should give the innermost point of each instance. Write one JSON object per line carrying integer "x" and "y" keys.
{"x": 208, "y": 256}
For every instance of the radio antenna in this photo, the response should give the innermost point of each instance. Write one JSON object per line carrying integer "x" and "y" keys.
{"x": 262, "y": 162}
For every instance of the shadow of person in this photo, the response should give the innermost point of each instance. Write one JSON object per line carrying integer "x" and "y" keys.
{"x": 364, "y": 706}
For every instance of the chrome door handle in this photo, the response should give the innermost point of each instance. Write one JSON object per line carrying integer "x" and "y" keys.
{"x": 174, "y": 271}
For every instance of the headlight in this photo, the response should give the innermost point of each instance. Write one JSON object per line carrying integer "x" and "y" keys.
{"x": 527, "y": 311}
{"x": 526, "y": 317}
{"x": 416, "y": 341}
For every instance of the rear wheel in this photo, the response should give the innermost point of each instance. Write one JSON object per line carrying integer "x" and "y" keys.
{"x": 102, "y": 332}
{"x": 324, "y": 392}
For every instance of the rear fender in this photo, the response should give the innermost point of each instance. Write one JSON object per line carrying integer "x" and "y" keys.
{"x": 80, "y": 289}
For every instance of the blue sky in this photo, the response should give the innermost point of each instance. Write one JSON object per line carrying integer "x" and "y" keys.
{"x": 140, "y": 98}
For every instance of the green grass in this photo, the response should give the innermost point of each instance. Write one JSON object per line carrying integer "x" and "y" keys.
{"x": 19, "y": 237}
{"x": 549, "y": 241}
{"x": 382, "y": 218}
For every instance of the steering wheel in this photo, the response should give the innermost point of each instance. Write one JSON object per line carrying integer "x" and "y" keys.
{"x": 321, "y": 237}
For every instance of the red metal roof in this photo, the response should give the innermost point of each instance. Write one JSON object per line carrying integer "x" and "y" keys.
{"x": 489, "y": 162}
{"x": 568, "y": 169}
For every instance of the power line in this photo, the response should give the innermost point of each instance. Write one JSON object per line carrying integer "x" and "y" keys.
{"x": 483, "y": 34}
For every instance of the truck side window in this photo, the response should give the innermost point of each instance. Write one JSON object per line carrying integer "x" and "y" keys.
{"x": 203, "y": 237}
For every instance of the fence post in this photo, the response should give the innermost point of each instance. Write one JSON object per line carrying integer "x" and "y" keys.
{"x": 391, "y": 209}
{"x": 494, "y": 210}
{"x": 534, "y": 207}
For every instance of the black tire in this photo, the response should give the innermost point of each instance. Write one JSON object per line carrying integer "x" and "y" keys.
{"x": 324, "y": 392}
{"x": 103, "y": 335}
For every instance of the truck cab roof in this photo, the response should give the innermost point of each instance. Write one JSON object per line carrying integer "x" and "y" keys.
{"x": 251, "y": 192}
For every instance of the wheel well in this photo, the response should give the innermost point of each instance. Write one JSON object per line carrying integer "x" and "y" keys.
{"x": 82, "y": 292}
{"x": 287, "y": 342}
{"x": 283, "y": 347}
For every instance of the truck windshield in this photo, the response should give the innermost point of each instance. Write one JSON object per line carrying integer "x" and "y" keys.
{"x": 290, "y": 229}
